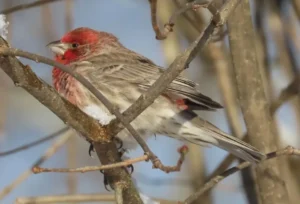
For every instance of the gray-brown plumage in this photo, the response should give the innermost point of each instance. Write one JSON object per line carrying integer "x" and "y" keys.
{"x": 122, "y": 76}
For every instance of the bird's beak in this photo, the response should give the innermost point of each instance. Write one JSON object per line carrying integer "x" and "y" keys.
{"x": 58, "y": 47}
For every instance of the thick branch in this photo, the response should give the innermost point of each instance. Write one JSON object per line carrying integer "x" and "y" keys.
{"x": 256, "y": 110}
{"x": 108, "y": 154}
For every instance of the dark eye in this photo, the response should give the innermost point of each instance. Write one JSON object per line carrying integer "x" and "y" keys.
{"x": 74, "y": 45}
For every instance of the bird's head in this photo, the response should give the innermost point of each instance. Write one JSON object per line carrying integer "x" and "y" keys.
{"x": 80, "y": 43}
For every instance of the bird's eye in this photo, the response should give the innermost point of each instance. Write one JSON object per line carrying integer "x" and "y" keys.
{"x": 74, "y": 45}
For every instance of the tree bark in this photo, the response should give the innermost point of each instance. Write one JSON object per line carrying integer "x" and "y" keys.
{"x": 253, "y": 101}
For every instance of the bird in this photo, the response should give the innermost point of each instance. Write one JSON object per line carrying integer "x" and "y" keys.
{"x": 122, "y": 75}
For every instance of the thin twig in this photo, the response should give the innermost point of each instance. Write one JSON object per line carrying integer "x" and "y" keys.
{"x": 293, "y": 89}
{"x": 125, "y": 163}
{"x": 67, "y": 198}
{"x": 168, "y": 27}
{"x": 77, "y": 198}
{"x": 32, "y": 144}
{"x": 286, "y": 151}
{"x": 26, "y": 6}
{"x": 182, "y": 151}
{"x": 48, "y": 153}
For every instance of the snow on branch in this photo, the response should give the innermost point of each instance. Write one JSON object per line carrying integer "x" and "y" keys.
{"x": 3, "y": 26}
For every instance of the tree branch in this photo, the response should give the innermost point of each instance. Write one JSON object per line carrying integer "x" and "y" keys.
{"x": 26, "y": 6}
{"x": 286, "y": 151}
{"x": 77, "y": 198}
{"x": 32, "y": 144}
{"x": 125, "y": 163}
{"x": 168, "y": 27}
{"x": 255, "y": 108}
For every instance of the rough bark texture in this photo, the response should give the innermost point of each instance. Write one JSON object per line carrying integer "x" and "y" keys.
{"x": 254, "y": 104}
{"x": 117, "y": 177}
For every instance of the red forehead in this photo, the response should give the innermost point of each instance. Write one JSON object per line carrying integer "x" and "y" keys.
{"x": 81, "y": 36}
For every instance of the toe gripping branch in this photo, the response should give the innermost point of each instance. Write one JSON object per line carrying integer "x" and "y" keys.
{"x": 121, "y": 153}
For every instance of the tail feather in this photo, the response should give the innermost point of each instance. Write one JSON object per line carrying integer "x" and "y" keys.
{"x": 229, "y": 143}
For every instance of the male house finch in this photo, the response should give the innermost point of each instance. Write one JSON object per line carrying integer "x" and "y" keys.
{"x": 171, "y": 114}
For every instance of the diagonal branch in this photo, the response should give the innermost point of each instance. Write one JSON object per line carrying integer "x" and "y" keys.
{"x": 168, "y": 27}
{"x": 32, "y": 144}
{"x": 26, "y": 6}
{"x": 215, "y": 180}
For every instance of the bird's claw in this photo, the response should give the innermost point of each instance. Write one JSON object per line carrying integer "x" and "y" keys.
{"x": 131, "y": 167}
{"x": 118, "y": 141}
{"x": 105, "y": 180}
{"x": 91, "y": 149}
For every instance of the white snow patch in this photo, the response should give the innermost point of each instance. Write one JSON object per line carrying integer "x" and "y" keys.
{"x": 147, "y": 200}
{"x": 3, "y": 26}
{"x": 96, "y": 112}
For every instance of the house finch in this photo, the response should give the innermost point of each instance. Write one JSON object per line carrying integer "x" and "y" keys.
{"x": 97, "y": 56}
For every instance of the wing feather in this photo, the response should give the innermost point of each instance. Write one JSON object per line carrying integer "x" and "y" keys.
{"x": 131, "y": 67}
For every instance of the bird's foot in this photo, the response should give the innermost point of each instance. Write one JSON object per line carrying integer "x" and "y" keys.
{"x": 130, "y": 166}
{"x": 119, "y": 142}
{"x": 116, "y": 140}
{"x": 91, "y": 149}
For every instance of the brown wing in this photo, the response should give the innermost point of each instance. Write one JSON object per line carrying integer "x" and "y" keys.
{"x": 127, "y": 65}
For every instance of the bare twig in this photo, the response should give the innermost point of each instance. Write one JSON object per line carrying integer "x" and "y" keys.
{"x": 26, "y": 6}
{"x": 77, "y": 198}
{"x": 67, "y": 198}
{"x": 168, "y": 27}
{"x": 182, "y": 151}
{"x": 286, "y": 151}
{"x": 48, "y": 153}
{"x": 32, "y": 144}
{"x": 293, "y": 89}
{"x": 125, "y": 163}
